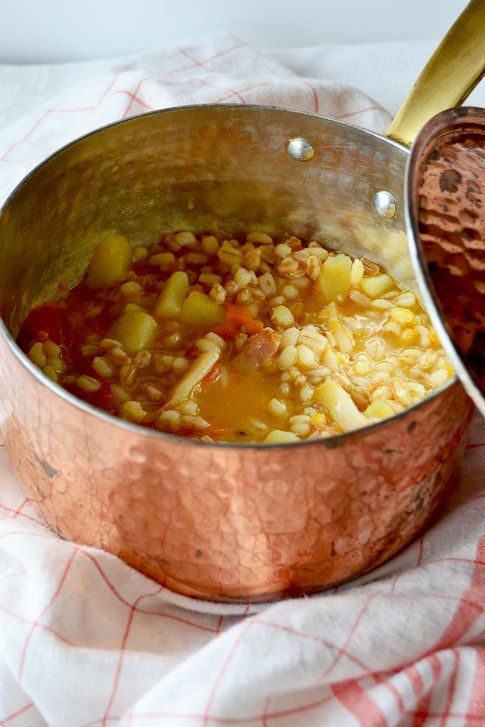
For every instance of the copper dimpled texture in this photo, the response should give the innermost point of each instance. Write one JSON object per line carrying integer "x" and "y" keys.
{"x": 229, "y": 523}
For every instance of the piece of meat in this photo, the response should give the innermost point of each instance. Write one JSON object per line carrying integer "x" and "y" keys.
{"x": 260, "y": 348}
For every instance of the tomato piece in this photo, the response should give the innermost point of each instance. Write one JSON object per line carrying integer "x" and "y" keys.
{"x": 47, "y": 322}
{"x": 227, "y": 331}
{"x": 214, "y": 374}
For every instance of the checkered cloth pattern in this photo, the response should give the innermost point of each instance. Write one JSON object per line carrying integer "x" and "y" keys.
{"x": 86, "y": 641}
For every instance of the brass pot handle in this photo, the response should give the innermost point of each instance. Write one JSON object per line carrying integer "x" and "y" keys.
{"x": 450, "y": 75}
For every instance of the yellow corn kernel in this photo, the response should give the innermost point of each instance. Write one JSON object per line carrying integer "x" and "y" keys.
{"x": 376, "y": 285}
{"x": 134, "y": 330}
{"x": 170, "y": 300}
{"x": 434, "y": 339}
{"x": 403, "y": 316}
{"x": 110, "y": 262}
{"x": 318, "y": 420}
{"x": 335, "y": 279}
{"x": 379, "y": 410}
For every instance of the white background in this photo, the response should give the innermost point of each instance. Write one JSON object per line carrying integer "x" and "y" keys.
{"x": 33, "y": 31}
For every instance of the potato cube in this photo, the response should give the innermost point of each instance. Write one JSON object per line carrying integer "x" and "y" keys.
{"x": 376, "y": 285}
{"x": 134, "y": 330}
{"x": 334, "y": 281}
{"x": 200, "y": 310}
{"x": 110, "y": 262}
{"x": 340, "y": 406}
{"x": 170, "y": 300}
{"x": 379, "y": 410}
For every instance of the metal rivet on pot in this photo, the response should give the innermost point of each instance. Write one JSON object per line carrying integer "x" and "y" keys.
{"x": 385, "y": 204}
{"x": 300, "y": 149}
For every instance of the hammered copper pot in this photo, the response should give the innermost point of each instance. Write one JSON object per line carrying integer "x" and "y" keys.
{"x": 217, "y": 521}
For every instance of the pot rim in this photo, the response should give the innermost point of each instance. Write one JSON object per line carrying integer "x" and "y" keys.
{"x": 332, "y": 442}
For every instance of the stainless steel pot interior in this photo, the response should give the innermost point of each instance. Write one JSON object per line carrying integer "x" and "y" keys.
{"x": 200, "y": 168}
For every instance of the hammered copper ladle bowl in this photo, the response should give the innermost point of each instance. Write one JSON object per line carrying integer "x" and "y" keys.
{"x": 224, "y": 521}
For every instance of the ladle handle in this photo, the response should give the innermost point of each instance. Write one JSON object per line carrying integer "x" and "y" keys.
{"x": 450, "y": 75}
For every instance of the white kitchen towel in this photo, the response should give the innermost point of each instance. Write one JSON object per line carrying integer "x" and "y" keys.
{"x": 85, "y": 640}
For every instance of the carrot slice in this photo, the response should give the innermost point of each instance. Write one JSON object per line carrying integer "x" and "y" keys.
{"x": 239, "y": 315}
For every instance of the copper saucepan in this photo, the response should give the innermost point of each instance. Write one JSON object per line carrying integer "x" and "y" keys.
{"x": 226, "y": 521}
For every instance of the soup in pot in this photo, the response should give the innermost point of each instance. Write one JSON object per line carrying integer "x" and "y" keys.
{"x": 237, "y": 339}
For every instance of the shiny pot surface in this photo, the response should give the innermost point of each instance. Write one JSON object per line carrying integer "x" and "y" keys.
{"x": 217, "y": 521}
